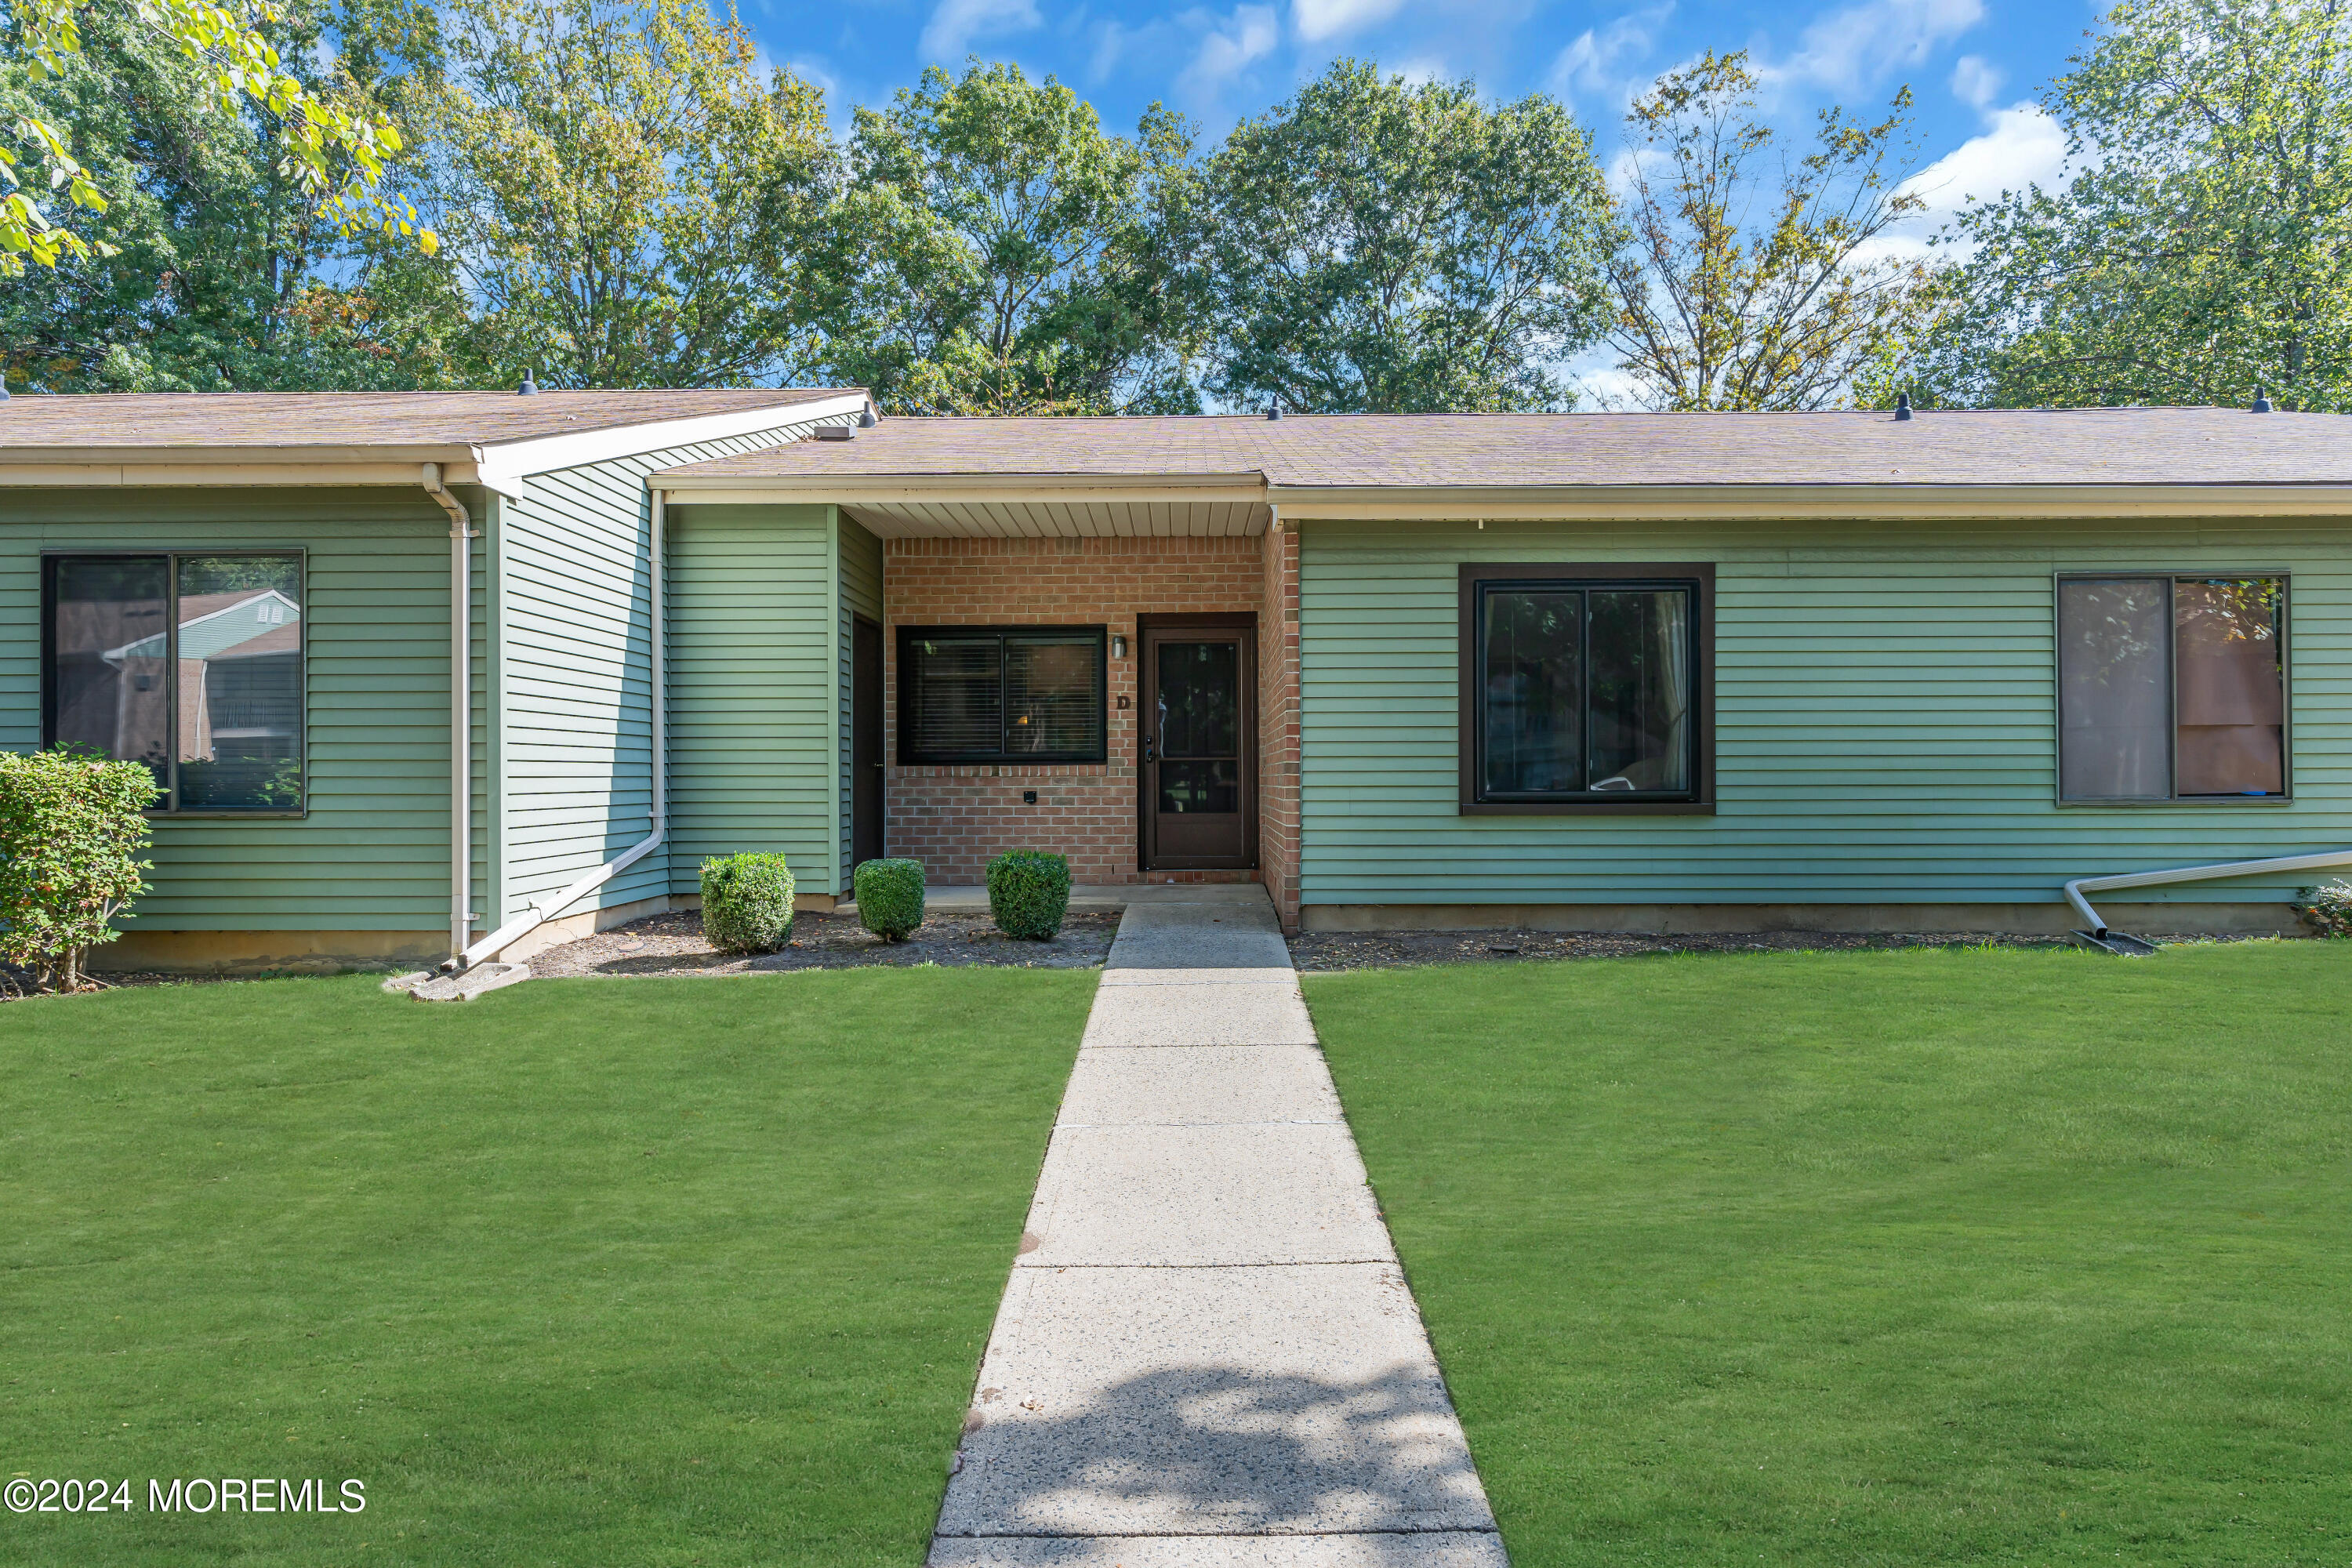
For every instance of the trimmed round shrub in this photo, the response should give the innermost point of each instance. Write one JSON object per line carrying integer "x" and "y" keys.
{"x": 889, "y": 897}
{"x": 1028, "y": 894}
{"x": 746, "y": 902}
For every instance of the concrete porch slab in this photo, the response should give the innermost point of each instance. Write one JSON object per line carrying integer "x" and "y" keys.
{"x": 1206, "y": 1086}
{"x": 1203, "y": 1197}
{"x": 1277, "y": 1401}
{"x": 1417, "y": 1549}
{"x": 1192, "y": 1014}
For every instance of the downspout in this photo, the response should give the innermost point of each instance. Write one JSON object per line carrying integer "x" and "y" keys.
{"x": 541, "y": 911}
{"x": 2081, "y": 885}
{"x": 462, "y": 534}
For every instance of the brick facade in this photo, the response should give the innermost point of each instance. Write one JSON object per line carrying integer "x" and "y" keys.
{"x": 955, "y": 819}
{"x": 1277, "y": 719}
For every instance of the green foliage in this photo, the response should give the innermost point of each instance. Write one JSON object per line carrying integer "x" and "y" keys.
{"x": 1028, "y": 894}
{"x": 2328, "y": 909}
{"x": 1718, "y": 310}
{"x": 746, "y": 902}
{"x": 627, "y": 198}
{"x": 217, "y": 273}
{"x": 1001, "y": 256}
{"x": 1385, "y": 248}
{"x": 70, "y": 833}
{"x": 2202, "y": 242}
{"x": 889, "y": 896}
{"x": 331, "y": 147}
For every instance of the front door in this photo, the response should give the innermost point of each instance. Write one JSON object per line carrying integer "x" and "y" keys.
{"x": 864, "y": 741}
{"x": 1198, "y": 743}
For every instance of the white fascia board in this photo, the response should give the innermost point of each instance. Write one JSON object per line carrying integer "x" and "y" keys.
{"x": 506, "y": 467}
{"x": 1300, "y": 503}
{"x": 885, "y": 490}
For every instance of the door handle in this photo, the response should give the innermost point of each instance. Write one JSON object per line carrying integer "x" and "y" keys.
{"x": 1147, "y": 749}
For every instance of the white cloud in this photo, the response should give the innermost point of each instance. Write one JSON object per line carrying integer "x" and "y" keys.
{"x": 2021, "y": 146}
{"x": 1315, "y": 20}
{"x": 1420, "y": 70}
{"x": 1976, "y": 81}
{"x": 1249, "y": 34}
{"x": 1590, "y": 62}
{"x": 1851, "y": 48}
{"x": 958, "y": 24}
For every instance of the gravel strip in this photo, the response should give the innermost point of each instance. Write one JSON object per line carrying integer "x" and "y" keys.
{"x": 674, "y": 944}
{"x": 1323, "y": 952}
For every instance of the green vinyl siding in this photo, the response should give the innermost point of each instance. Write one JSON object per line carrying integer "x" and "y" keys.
{"x": 1885, "y": 701}
{"x": 372, "y": 853}
{"x": 754, "y": 689}
{"x": 576, "y": 745}
{"x": 861, "y": 594}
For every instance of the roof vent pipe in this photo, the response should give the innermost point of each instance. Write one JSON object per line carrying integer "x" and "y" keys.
{"x": 3, "y": 389}
{"x": 1901, "y": 405}
{"x": 2262, "y": 403}
{"x": 866, "y": 420}
{"x": 1274, "y": 412}
{"x": 529, "y": 387}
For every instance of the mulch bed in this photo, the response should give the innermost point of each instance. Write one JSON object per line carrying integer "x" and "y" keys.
{"x": 1324, "y": 951}
{"x": 674, "y": 944}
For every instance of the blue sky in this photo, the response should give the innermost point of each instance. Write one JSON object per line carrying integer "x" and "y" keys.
{"x": 1974, "y": 66}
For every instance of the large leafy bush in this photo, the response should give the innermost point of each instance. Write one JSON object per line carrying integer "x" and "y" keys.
{"x": 889, "y": 897}
{"x": 1028, "y": 894}
{"x": 70, "y": 833}
{"x": 746, "y": 902}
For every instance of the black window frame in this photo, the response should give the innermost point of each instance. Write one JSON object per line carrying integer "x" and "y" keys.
{"x": 1479, "y": 579}
{"x": 2171, "y": 578}
{"x": 170, "y": 804}
{"x": 903, "y": 746}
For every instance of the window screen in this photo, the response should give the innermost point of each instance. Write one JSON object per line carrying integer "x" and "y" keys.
{"x": 191, "y": 664}
{"x": 1586, "y": 691}
{"x": 2172, "y": 688}
{"x": 975, "y": 694}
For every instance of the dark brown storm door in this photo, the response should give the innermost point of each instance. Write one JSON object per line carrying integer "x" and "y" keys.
{"x": 864, "y": 742}
{"x": 1199, "y": 742}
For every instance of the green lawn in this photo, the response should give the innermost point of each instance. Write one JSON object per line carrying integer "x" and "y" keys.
{"x": 641, "y": 1272}
{"x": 1901, "y": 1258}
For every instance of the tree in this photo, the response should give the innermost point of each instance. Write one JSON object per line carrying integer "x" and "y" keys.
{"x": 626, "y": 200}
{"x": 1008, "y": 256}
{"x": 1380, "y": 247}
{"x": 1745, "y": 282}
{"x": 2199, "y": 246}
{"x": 332, "y": 148}
{"x": 211, "y": 268}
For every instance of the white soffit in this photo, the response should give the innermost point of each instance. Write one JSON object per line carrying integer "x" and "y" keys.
{"x": 1145, "y": 517}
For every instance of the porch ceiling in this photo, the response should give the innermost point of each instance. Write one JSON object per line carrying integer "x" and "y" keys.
{"x": 1043, "y": 519}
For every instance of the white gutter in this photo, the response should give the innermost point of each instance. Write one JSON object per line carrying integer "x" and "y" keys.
{"x": 541, "y": 911}
{"x": 2081, "y": 885}
{"x": 462, "y": 534}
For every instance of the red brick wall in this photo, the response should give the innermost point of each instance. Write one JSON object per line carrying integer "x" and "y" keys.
{"x": 1277, "y": 712}
{"x": 955, "y": 820}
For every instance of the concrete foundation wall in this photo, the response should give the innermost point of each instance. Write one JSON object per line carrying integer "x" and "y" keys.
{"x": 2007, "y": 919}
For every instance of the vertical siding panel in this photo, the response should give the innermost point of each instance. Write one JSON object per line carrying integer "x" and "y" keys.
{"x": 1885, "y": 713}
{"x": 754, "y": 678}
{"x": 577, "y": 750}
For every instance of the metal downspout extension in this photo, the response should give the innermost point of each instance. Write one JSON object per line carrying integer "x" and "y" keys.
{"x": 462, "y": 533}
{"x": 2099, "y": 936}
{"x": 541, "y": 911}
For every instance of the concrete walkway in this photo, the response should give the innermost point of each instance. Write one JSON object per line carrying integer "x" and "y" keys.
{"x": 1207, "y": 1354}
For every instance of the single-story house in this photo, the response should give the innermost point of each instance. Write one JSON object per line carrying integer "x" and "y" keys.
{"x": 1837, "y": 670}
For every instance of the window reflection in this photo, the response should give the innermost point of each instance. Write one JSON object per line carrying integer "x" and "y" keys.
{"x": 240, "y": 682}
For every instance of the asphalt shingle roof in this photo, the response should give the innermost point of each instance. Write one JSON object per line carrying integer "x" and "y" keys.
{"x": 344, "y": 419}
{"x": 2120, "y": 446}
